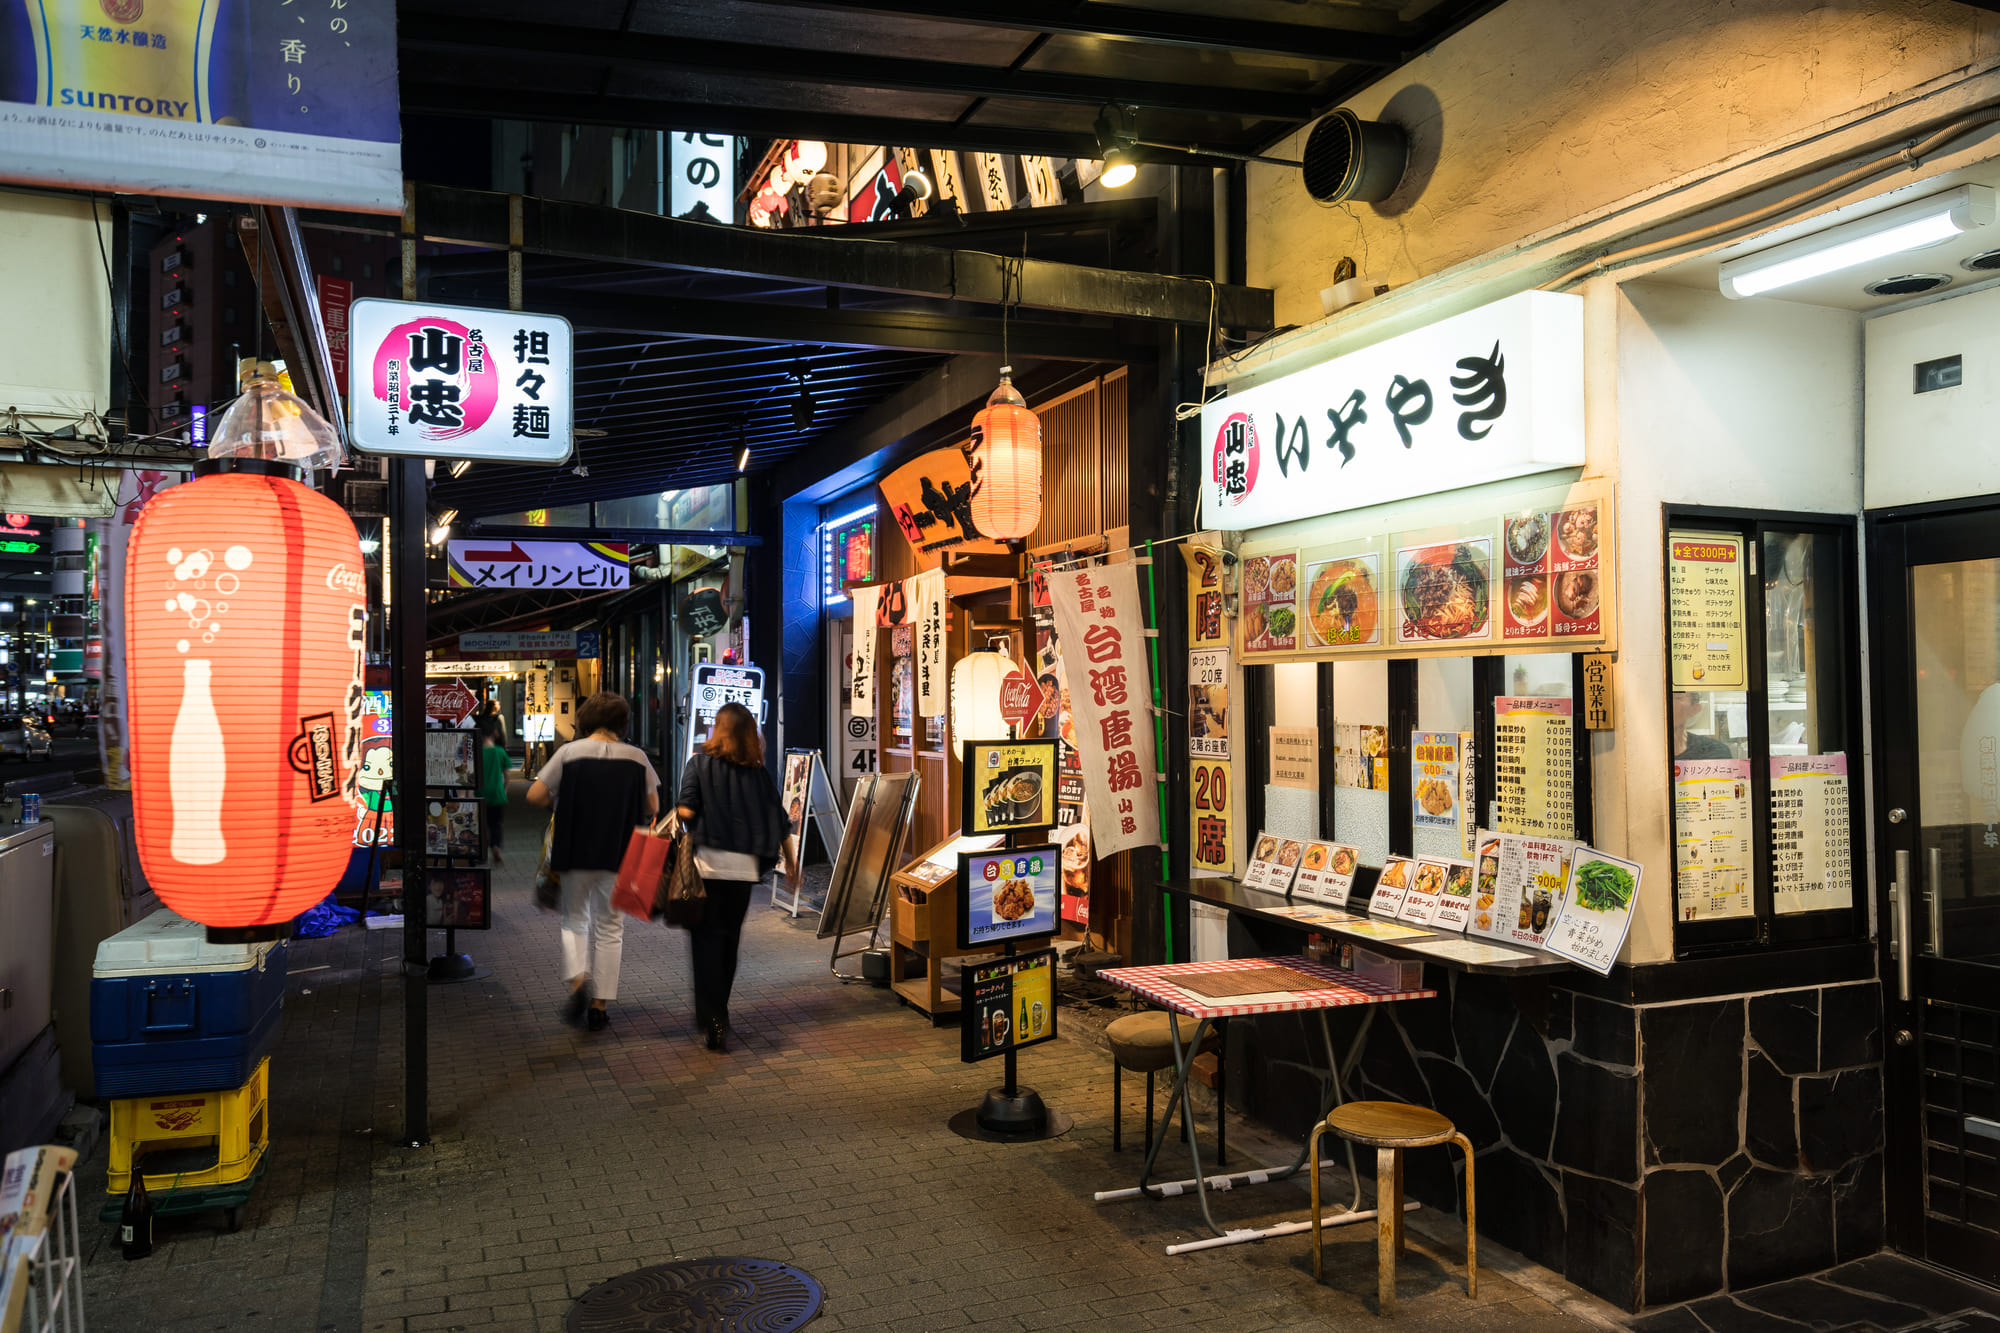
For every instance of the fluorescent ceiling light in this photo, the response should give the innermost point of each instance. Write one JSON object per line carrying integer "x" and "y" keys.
{"x": 1908, "y": 227}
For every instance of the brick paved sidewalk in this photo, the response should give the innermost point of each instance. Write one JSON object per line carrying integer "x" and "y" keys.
{"x": 560, "y": 1158}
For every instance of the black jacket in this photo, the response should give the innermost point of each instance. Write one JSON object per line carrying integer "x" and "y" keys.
{"x": 736, "y": 808}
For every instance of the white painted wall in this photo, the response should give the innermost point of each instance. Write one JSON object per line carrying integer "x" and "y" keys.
{"x": 1546, "y": 112}
{"x": 1943, "y": 444}
{"x": 1741, "y": 404}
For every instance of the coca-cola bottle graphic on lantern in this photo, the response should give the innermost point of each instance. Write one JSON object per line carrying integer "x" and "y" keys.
{"x": 197, "y": 769}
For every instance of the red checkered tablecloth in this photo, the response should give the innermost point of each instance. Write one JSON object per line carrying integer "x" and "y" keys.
{"x": 1343, "y": 988}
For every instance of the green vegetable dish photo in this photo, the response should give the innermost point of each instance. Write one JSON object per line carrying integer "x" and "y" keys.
{"x": 1603, "y": 887}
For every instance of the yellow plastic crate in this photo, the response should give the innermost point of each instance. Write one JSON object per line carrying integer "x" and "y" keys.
{"x": 192, "y": 1140}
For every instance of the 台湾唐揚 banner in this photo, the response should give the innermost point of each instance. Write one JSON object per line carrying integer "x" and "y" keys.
{"x": 1493, "y": 393}
{"x": 259, "y": 100}
{"x": 1103, "y": 636}
{"x": 435, "y": 381}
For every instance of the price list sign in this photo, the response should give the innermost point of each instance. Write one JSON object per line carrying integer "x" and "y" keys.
{"x": 1712, "y": 838}
{"x": 1811, "y": 869}
{"x": 1534, "y": 766}
{"x": 1705, "y": 594}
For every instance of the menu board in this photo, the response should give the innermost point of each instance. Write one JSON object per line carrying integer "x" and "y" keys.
{"x": 1552, "y": 586}
{"x": 1596, "y": 910}
{"x": 1343, "y": 605}
{"x": 1420, "y": 903}
{"x": 1454, "y": 903}
{"x": 1712, "y": 839}
{"x": 1270, "y": 603}
{"x": 1009, "y": 1003}
{"x": 1273, "y": 863}
{"x": 1009, "y": 787}
{"x": 1208, "y": 703}
{"x": 1361, "y": 757}
{"x": 1434, "y": 780}
{"x": 1705, "y": 610}
{"x": 1006, "y": 895}
{"x": 1392, "y": 886}
{"x": 1811, "y": 869}
{"x": 1485, "y": 881}
{"x": 1326, "y": 872}
{"x": 1444, "y": 592}
{"x": 1534, "y": 768}
{"x": 1528, "y": 888}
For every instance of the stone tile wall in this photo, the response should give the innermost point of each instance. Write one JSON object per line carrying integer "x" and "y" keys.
{"x": 1650, "y": 1154}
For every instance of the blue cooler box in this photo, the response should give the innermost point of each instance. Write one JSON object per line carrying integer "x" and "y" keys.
{"x": 170, "y": 1012}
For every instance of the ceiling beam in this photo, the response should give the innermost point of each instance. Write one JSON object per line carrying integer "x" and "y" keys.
{"x": 571, "y": 108}
{"x": 1213, "y": 27}
{"x": 906, "y": 331}
{"x": 450, "y": 215}
{"x": 638, "y": 50}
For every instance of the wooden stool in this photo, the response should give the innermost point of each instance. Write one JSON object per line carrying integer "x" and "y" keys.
{"x": 1388, "y": 1128}
{"x": 1142, "y": 1042}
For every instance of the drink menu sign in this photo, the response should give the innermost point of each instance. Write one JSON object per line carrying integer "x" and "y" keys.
{"x": 1009, "y": 1003}
{"x": 1712, "y": 838}
{"x": 1811, "y": 869}
{"x": 1534, "y": 772}
{"x": 1705, "y": 610}
{"x": 1527, "y": 889}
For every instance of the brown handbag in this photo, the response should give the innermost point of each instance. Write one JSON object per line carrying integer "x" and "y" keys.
{"x": 683, "y": 897}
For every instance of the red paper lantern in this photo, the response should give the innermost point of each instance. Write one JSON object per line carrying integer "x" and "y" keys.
{"x": 245, "y": 611}
{"x": 1006, "y": 457}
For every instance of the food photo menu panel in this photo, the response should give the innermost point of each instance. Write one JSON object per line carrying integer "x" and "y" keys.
{"x": 1270, "y": 603}
{"x": 1011, "y": 894}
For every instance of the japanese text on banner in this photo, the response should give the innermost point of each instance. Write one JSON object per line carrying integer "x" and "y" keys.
{"x": 927, "y": 601}
{"x": 1104, "y": 641}
{"x": 861, "y": 684}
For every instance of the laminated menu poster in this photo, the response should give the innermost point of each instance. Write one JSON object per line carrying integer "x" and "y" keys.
{"x": 1705, "y": 617}
{"x": 1361, "y": 757}
{"x": 1596, "y": 911}
{"x": 1527, "y": 892}
{"x": 1392, "y": 886}
{"x": 1712, "y": 838}
{"x": 1550, "y": 576}
{"x": 1534, "y": 766}
{"x": 1445, "y": 592}
{"x": 1326, "y": 872}
{"x": 1485, "y": 881}
{"x": 1420, "y": 903}
{"x": 1270, "y": 603}
{"x": 1811, "y": 869}
{"x": 1274, "y": 863}
{"x": 1434, "y": 779}
{"x": 1454, "y": 903}
{"x": 1343, "y": 606}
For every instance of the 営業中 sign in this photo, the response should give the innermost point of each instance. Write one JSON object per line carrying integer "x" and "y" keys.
{"x": 232, "y": 99}
{"x": 434, "y": 381}
{"x": 493, "y": 562}
{"x": 1493, "y": 393}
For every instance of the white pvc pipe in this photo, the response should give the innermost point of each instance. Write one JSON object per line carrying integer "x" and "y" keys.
{"x": 1282, "y": 1229}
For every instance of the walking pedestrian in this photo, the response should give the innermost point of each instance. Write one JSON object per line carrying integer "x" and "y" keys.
{"x": 601, "y": 789}
{"x": 491, "y": 723}
{"x": 493, "y": 765}
{"x": 736, "y": 817}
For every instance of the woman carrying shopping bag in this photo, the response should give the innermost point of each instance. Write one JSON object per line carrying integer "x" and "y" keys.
{"x": 736, "y": 819}
{"x": 601, "y": 789}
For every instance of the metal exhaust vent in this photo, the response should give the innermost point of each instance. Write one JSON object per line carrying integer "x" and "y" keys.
{"x": 1348, "y": 158}
{"x": 1986, "y": 261}
{"x": 1907, "y": 284}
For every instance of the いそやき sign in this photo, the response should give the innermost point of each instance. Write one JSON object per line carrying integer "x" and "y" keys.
{"x": 432, "y": 381}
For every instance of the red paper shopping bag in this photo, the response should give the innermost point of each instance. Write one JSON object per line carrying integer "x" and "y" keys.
{"x": 638, "y": 884}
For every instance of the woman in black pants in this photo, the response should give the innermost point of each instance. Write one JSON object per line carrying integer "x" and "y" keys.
{"x": 732, "y": 809}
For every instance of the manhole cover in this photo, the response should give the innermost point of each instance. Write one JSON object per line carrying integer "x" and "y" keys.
{"x": 699, "y": 1296}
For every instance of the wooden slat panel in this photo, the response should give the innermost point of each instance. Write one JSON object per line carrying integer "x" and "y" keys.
{"x": 1116, "y": 465}
{"x": 1070, "y": 438}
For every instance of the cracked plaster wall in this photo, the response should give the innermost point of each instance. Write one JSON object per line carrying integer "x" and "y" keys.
{"x": 1549, "y": 111}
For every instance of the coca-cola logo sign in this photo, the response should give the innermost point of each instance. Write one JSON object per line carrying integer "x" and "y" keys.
{"x": 340, "y": 578}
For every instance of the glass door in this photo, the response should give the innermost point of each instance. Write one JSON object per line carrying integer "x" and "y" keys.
{"x": 1936, "y": 604}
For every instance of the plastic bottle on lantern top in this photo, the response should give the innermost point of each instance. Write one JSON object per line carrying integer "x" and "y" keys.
{"x": 1005, "y": 454}
{"x": 246, "y": 612}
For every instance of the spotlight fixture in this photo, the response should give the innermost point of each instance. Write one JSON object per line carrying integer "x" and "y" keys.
{"x": 915, "y": 189}
{"x": 1117, "y": 130}
{"x": 742, "y": 449}
{"x": 446, "y": 519}
{"x": 1845, "y": 245}
{"x": 440, "y": 533}
{"x": 1119, "y": 169}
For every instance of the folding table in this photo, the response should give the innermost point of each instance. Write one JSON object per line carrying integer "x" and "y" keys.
{"x": 1158, "y": 984}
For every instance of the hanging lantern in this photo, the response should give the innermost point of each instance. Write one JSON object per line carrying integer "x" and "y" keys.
{"x": 975, "y": 697}
{"x": 246, "y": 611}
{"x": 1006, "y": 457}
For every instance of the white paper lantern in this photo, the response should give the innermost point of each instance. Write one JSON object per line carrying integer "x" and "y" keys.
{"x": 975, "y": 698}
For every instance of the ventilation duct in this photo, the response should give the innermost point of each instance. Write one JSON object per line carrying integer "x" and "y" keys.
{"x": 1349, "y": 159}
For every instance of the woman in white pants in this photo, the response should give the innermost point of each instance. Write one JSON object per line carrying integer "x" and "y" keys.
{"x": 601, "y": 789}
